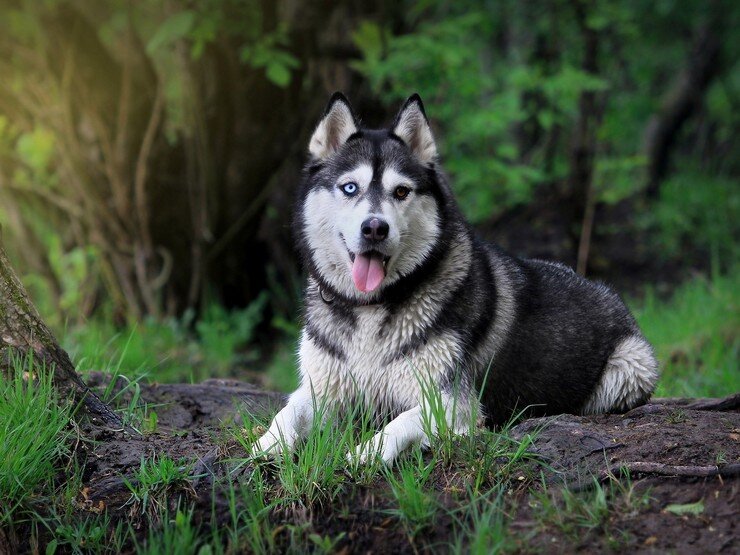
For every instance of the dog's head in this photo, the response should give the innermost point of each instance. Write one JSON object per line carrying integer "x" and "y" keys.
{"x": 372, "y": 202}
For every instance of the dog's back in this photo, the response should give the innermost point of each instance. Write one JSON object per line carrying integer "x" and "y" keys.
{"x": 591, "y": 337}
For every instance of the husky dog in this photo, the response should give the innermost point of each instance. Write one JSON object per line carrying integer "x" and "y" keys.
{"x": 401, "y": 292}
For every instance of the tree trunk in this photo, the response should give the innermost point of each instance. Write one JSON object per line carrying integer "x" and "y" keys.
{"x": 23, "y": 332}
{"x": 681, "y": 101}
{"x": 583, "y": 147}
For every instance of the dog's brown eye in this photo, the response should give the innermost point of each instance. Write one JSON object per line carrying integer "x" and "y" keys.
{"x": 401, "y": 192}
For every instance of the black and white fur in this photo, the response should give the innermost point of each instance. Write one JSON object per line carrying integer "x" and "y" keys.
{"x": 450, "y": 308}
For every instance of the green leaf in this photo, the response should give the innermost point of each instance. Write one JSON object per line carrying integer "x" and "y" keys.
{"x": 36, "y": 148}
{"x": 686, "y": 509}
{"x": 278, "y": 74}
{"x": 172, "y": 29}
{"x": 51, "y": 547}
{"x": 369, "y": 39}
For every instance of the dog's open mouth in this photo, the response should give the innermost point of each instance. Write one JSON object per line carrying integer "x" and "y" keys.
{"x": 368, "y": 270}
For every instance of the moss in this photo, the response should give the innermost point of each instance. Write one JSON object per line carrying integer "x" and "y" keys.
{"x": 17, "y": 313}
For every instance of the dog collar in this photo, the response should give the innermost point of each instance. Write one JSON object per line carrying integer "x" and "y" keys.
{"x": 328, "y": 298}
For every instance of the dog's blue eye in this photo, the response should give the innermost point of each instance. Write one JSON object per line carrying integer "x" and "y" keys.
{"x": 349, "y": 189}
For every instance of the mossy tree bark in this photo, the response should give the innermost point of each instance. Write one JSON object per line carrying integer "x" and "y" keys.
{"x": 23, "y": 332}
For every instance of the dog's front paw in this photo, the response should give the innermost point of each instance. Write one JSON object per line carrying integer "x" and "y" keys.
{"x": 267, "y": 446}
{"x": 378, "y": 447}
{"x": 363, "y": 454}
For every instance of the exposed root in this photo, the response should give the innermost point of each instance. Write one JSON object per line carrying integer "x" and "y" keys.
{"x": 659, "y": 469}
{"x": 731, "y": 402}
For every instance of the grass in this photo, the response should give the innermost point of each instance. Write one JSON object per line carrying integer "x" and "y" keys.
{"x": 318, "y": 474}
{"x": 34, "y": 433}
{"x": 154, "y": 482}
{"x": 572, "y": 513}
{"x": 482, "y": 524}
{"x": 249, "y": 512}
{"x": 697, "y": 327}
{"x": 174, "y": 349}
{"x": 176, "y": 534}
{"x": 92, "y": 534}
{"x": 416, "y": 505}
{"x": 576, "y": 514}
{"x": 696, "y": 335}
{"x": 319, "y": 468}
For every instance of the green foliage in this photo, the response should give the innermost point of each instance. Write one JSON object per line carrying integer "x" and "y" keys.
{"x": 243, "y": 22}
{"x": 167, "y": 350}
{"x": 281, "y": 373}
{"x": 33, "y": 434}
{"x": 695, "y": 335}
{"x": 176, "y": 27}
{"x": 75, "y": 272}
{"x": 36, "y": 148}
{"x": 79, "y": 156}
{"x": 269, "y": 54}
{"x": 66, "y": 286}
{"x": 479, "y": 153}
{"x": 694, "y": 509}
{"x": 222, "y": 332}
{"x": 505, "y": 87}
{"x": 697, "y": 211}
{"x": 326, "y": 544}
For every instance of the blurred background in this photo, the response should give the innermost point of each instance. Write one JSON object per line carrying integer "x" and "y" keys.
{"x": 150, "y": 152}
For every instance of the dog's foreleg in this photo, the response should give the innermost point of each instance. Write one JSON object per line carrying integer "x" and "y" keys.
{"x": 411, "y": 427}
{"x": 400, "y": 433}
{"x": 289, "y": 425}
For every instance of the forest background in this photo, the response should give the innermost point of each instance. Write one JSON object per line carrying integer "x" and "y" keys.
{"x": 150, "y": 153}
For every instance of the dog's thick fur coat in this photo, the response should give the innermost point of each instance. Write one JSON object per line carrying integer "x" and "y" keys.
{"x": 402, "y": 293}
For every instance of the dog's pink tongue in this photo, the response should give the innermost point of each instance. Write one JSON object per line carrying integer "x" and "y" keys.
{"x": 368, "y": 272}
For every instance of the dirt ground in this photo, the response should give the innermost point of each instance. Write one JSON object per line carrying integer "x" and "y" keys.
{"x": 658, "y": 442}
{"x": 679, "y": 451}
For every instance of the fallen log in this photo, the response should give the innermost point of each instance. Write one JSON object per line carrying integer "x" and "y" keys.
{"x": 671, "y": 438}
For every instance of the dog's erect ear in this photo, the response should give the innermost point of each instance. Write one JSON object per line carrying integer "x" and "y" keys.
{"x": 337, "y": 125}
{"x": 412, "y": 127}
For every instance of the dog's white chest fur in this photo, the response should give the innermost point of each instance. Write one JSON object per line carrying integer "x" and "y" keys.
{"x": 368, "y": 356}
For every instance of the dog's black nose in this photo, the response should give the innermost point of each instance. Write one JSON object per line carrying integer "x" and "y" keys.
{"x": 375, "y": 229}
